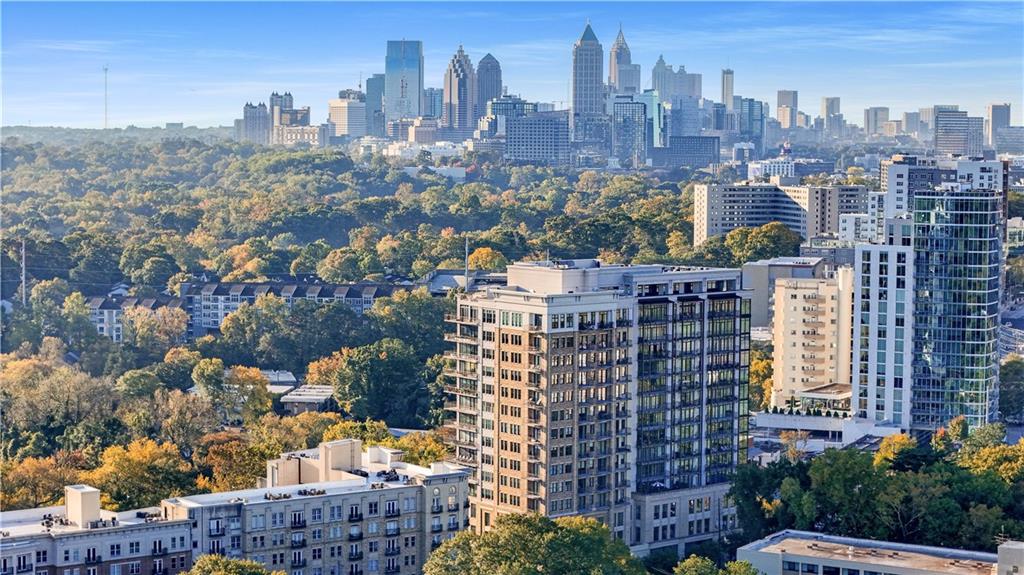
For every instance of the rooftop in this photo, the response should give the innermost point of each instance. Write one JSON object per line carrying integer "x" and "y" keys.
{"x": 881, "y": 553}
{"x": 54, "y": 520}
{"x": 309, "y": 394}
{"x": 787, "y": 261}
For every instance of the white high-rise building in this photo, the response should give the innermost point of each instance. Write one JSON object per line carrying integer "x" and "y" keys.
{"x": 348, "y": 116}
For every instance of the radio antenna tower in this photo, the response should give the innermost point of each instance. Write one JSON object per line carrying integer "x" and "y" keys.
{"x": 105, "y": 97}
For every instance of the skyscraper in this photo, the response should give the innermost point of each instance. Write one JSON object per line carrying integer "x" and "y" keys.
{"x": 787, "y": 108}
{"x": 403, "y": 79}
{"x": 255, "y": 125}
{"x": 997, "y": 117}
{"x": 375, "y": 105}
{"x": 829, "y": 106}
{"x": 957, "y": 133}
{"x": 629, "y": 130}
{"x": 623, "y": 74}
{"x": 671, "y": 84}
{"x": 433, "y": 103}
{"x": 727, "y": 88}
{"x": 459, "y": 109}
{"x": 608, "y": 391}
{"x": 488, "y": 82}
{"x": 587, "y": 82}
{"x": 347, "y": 114}
{"x": 874, "y": 118}
{"x": 957, "y": 239}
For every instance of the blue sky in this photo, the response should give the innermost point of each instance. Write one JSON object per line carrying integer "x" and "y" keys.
{"x": 199, "y": 62}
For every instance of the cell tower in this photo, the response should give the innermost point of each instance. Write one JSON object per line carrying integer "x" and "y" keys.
{"x": 105, "y": 97}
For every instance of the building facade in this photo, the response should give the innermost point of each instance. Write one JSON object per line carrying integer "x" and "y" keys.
{"x": 403, "y": 80}
{"x": 348, "y": 116}
{"x": 540, "y": 138}
{"x": 459, "y": 109}
{"x": 488, "y": 82}
{"x": 588, "y": 89}
{"x": 613, "y": 392}
{"x": 79, "y": 538}
{"x": 956, "y": 133}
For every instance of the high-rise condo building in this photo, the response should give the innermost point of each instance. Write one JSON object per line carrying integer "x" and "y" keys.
{"x": 607, "y": 391}
{"x": 811, "y": 342}
{"x": 539, "y": 138}
{"x": 727, "y": 88}
{"x": 403, "y": 80}
{"x": 629, "y": 130}
{"x": 459, "y": 110}
{"x": 874, "y": 118}
{"x": 488, "y": 82}
{"x": 958, "y": 240}
{"x": 958, "y": 134}
{"x": 255, "y": 124}
{"x": 997, "y": 117}
{"x": 375, "y": 105}
{"x": 911, "y": 122}
{"x": 588, "y": 90}
{"x": 623, "y": 74}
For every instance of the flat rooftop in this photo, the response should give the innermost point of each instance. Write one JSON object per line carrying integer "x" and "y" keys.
{"x": 378, "y": 475}
{"x": 53, "y": 520}
{"x": 309, "y": 394}
{"x": 881, "y": 553}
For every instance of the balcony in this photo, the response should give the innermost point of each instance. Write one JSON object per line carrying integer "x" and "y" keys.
{"x": 460, "y": 338}
{"x": 157, "y": 552}
{"x": 298, "y": 543}
{"x": 392, "y": 531}
{"x": 453, "y": 507}
{"x": 298, "y": 523}
{"x": 436, "y": 508}
{"x": 298, "y": 563}
{"x": 355, "y": 536}
{"x": 216, "y": 532}
{"x": 355, "y": 517}
{"x": 453, "y": 527}
{"x": 391, "y": 570}
{"x": 358, "y": 555}
{"x": 161, "y": 571}
{"x": 435, "y": 544}
{"x": 24, "y": 568}
{"x": 392, "y": 551}
{"x": 465, "y": 522}
{"x": 93, "y": 559}
{"x": 395, "y": 512}
{"x": 455, "y": 318}
{"x": 436, "y": 528}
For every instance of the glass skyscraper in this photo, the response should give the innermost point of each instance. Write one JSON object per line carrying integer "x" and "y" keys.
{"x": 403, "y": 80}
{"x": 957, "y": 257}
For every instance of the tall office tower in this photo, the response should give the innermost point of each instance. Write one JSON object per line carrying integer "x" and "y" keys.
{"x": 727, "y": 88}
{"x": 663, "y": 79}
{"x": 958, "y": 237}
{"x": 375, "y": 105}
{"x": 788, "y": 99}
{"x": 459, "y": 109}
{"x": 255, "y": 124}
{"x": 883, "y": 327}
{"x": 874, "y": 117}
{"x": 623, "y": 74}
{"x": 958, "y": 134}
{"x": 911, "y": 122}
{"x": 433, "y": 103}
{"x": 488, "y": 82}
{"x": 684, "y": 117}
{"x": 403, "y": 80}
{"x": 829, "y": 106}
{"x": 629, "y": 133}
{"x": 348, "y": 115}
{"x": 657, "y": 135}
{"x": 811, "y": 342}
{"x": 928, "y": 115}
{"x": 607, "y": 391}
{"x": 538, "y": 138}
{"x": 832, "y": 115}
{"x": 752, "y": 116}
{"x": 588, "y": 90}
{"x": 997, "y": 117}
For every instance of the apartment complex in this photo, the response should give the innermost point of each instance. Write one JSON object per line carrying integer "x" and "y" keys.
{"x": 793, "y": 552}
{"x": 208, "y": 304}
{"x": 332, "y": 510}
{"x": 107, "y": 312}
{"x": 811, "y": 343}
{"x": 760, "y": 277}
{"x": 79, "y": 538}
{"x": 608, "y": 391}
{"x": 810, "y": 211}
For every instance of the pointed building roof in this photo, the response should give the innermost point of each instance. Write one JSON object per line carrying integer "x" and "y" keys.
{"x": 620, "y": 40}
{"x": 488, "y": 58}
{"x": 588, "y": 34}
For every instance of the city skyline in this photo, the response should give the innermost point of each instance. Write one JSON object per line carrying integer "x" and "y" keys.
{"x": 197, "y": 63}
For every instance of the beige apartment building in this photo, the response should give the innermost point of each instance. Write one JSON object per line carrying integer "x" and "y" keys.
{"x": 812, "y": 342}
{"x": 80, "y": 538}
{"x": 810, "y": 211}
{"x": 608, "y": 391}
{"x": 333, "y": 510}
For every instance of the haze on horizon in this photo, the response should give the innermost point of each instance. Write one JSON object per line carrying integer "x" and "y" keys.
{"x": 198, "y": 63}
